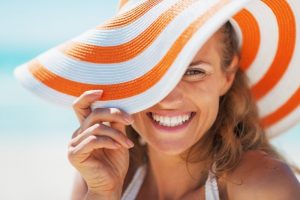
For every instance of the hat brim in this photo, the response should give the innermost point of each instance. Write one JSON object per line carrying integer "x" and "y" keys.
{"x": 122, "y": 58}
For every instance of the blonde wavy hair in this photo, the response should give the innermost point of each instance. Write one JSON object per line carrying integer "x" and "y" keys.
{"x": 237, "y": 128}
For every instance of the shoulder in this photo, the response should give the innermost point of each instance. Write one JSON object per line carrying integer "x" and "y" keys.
{"x": 261, "y": 176}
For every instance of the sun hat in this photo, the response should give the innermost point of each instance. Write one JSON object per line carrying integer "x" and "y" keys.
{"x": 140, "y": 55}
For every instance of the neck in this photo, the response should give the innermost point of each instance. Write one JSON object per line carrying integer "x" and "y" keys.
{"x": 170, "y": 177}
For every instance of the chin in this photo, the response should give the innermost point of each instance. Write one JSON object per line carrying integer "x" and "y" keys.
{"x": 170, "y": 148}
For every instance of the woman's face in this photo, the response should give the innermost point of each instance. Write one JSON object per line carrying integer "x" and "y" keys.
{"x": 193, "y": 102}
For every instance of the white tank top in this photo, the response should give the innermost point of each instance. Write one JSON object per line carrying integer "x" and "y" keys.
{"x": 131, "y": 192}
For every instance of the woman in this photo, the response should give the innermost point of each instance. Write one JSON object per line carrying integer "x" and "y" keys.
{"x": 220, "y": 132}
{"x": 190, "y": 128}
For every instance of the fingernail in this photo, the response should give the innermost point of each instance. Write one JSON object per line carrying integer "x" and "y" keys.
{"x": 129, "y": 120}
{"x": 130, "y": 143}
{"x": 97, "y": 92}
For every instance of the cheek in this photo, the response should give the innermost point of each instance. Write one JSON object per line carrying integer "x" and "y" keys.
{"x": 138, "y": 124}
{"x": 205, "y": 95}
{"x": 141, "y": 124}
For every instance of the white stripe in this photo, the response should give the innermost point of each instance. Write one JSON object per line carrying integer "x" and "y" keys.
{"x": 36, "y": 87}
{"x": 286, "y": 123}
{"x": 122, "y": 72}
{"x": 268, "y": 43}
{"x": 211, "y": 187}
{"x": 135, "y": 185}
{"x": 283, "y": 90}
{"x": 237, "y": 31}
{"x": 118, "y": 36}
{"x": 289, "y": 83}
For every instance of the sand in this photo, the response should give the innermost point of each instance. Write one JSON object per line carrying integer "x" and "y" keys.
{"x": 35, "y": 169}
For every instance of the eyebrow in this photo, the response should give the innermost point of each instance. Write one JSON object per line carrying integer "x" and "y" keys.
{"x": 196, "y": 63}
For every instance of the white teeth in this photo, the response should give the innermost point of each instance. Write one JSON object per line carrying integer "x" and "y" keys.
{"x": 171, "y": 121}
{"x": 186, "y": 118}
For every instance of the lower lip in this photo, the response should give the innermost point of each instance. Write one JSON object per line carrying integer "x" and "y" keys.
{"x": 171, "y": 129}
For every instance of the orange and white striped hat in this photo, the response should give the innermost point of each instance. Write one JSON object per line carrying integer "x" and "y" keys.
{"x": 140, "y": 55}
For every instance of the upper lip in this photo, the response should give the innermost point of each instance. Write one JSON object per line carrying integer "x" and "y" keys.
{"x": 170, "y": 114}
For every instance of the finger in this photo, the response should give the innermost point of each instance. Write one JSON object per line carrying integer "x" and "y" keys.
{"x": 122, "y": 129}
{"x": 118, "y": 126}
{"x": 103, "y": 130}
{"x": 106, "y": 115}
{"x": 82, "y": 105}
{"x": 91, "y": 143}
{"x": 84, "y": 149}
{"x": 76, "y": 132}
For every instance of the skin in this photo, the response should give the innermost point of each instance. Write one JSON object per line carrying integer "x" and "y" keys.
{"x": 100, "y": 152}
{"x": 199, "y": 94}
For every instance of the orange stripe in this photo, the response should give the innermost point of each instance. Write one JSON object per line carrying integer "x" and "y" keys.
{"x": 126, "y": 51}
{"x": 129, "y": 16}
{"x": 286, "y": 46}
{"x": 283, "y": 111}
{"x": 251, "y": 37}
{"x": 130, "y": 88}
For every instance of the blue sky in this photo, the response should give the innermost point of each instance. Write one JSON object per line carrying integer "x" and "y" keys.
{"x": 27, "y": 28}
{"x": 36, "y": 23}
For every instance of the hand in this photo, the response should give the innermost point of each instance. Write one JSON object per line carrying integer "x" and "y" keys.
{"x": 99, "y": 151}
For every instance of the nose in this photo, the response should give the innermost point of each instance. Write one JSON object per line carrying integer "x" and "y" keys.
{"x": 173, "y": 100}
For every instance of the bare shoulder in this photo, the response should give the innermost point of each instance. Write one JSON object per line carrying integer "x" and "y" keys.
{"x": 261, "y": 176}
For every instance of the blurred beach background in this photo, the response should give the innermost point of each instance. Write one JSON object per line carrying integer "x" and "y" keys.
{"x": 34, "y": 134}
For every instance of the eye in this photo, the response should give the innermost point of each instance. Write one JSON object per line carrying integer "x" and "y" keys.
{"x": 195, "y": 74}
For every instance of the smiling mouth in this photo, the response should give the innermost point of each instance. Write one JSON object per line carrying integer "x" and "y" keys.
{"x": 171, "y": 122}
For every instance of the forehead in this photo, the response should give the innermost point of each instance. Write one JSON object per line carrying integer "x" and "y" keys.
{"x": 211, "y": 50}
